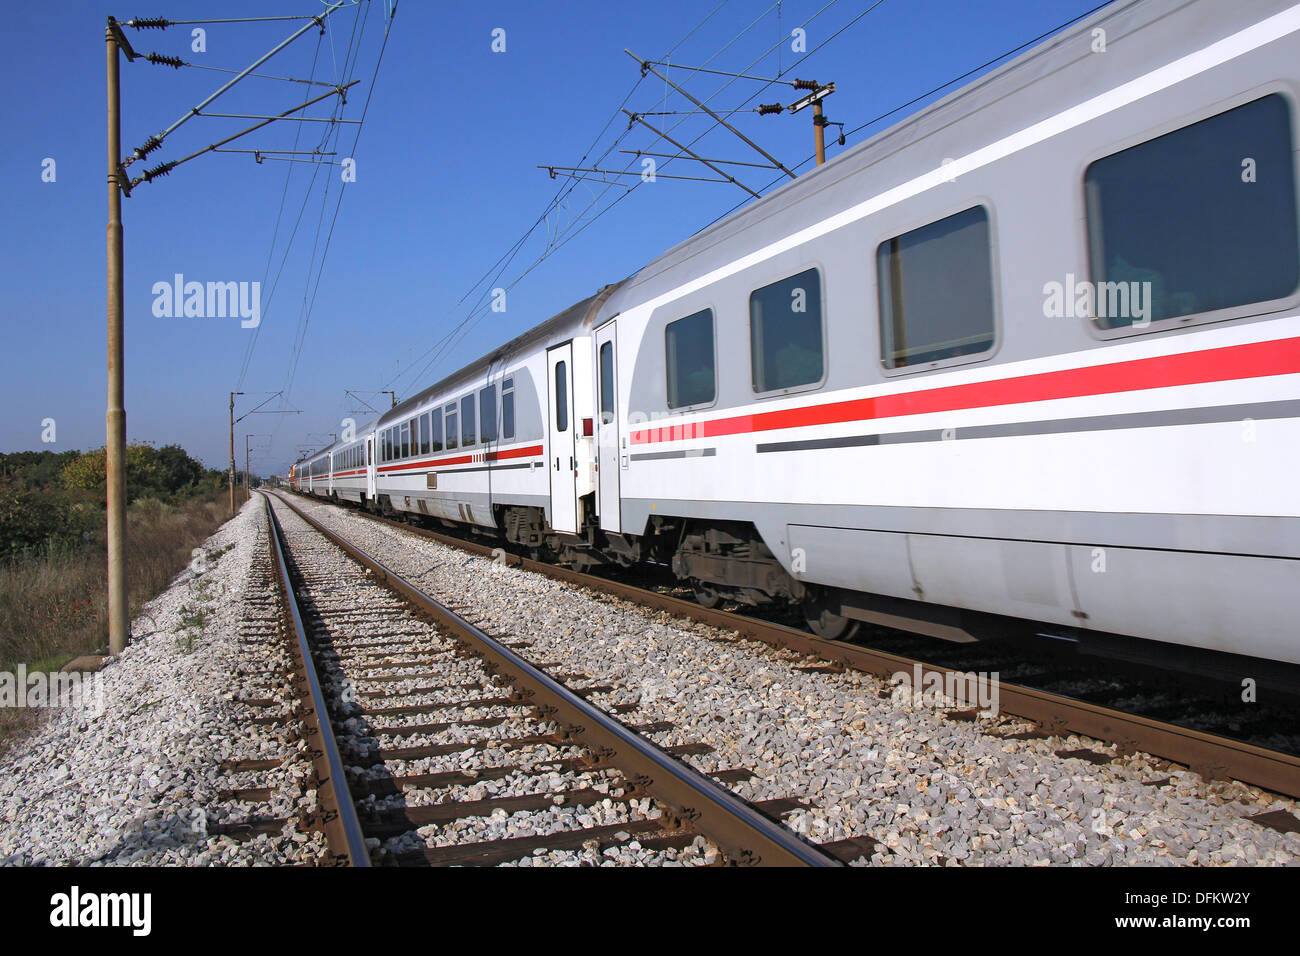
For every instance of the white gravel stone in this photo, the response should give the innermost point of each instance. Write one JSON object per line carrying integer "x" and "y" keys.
{"x": 138, "y": 783}
{"x": 929, "y": 789}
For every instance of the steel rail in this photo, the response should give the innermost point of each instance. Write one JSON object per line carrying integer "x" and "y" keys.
{"x": 1211, "y": 755}
{"x": 744, "y": 834}
{"x": 338, "y": 813}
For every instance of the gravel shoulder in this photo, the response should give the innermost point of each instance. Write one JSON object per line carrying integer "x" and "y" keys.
{"x": 868, "y": 762}
{"x": 138, "y": 782}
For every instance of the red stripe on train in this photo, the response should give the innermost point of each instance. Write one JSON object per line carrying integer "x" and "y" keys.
{"x": 529, "y": 452}
{"x": 1256, "y": 360}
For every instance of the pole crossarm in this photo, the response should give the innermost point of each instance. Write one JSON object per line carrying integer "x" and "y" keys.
{"x": 352, "y": 392}
{"x": 318, "y": 20}
{"x": 796, "y": 84}
{"x": 647, "y": 67}
{"x": 162, "y": 170}
{"x": 162, "y": 23}
{"x": 568, "y": 172}
{"x": 635, "y": 118}
{"x": 725, "y": 162}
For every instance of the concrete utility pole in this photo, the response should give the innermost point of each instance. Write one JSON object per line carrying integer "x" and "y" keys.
{"x": 257, "y": 410}
{"x": 120, "y": 183}
{"x": 814, "y": 99}
{"x": 248, "y": 488}
{"x": 232, "y": 450}
{"x": 115, "y": 418}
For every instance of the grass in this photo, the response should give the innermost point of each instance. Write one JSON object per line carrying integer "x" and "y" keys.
{"x": 54, "y": 603}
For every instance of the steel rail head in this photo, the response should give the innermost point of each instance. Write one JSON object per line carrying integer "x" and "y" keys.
{"x": 1270, "y": 769}
{"x": 342, "y": 829}
{"x": 743, "y": 833}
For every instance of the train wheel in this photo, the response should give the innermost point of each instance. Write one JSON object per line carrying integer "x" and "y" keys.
{"x": 828, "y": 623}
{"x": 705, "y": 596}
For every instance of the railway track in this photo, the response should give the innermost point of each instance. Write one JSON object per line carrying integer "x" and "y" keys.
{"x": 1211, "y": 755}
{"x": 462, "y": 752}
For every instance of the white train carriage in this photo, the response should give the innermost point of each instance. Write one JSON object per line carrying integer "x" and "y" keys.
{"x": 1033, "y": 352}
{"x": 506, "y": 444}
{"x": 350, "y": 468}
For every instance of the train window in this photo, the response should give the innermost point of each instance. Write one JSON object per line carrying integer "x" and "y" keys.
{"x": 692, "y": 370}
{"x": 387, "y": 451}
{"x": 1197, "y": 220}
{"x": 785, "y": 332}
{"x": 467, "y": 434}
{"x": 435, "y": 440}
{"x": 607, "y": 383}
{"x": 561, "y": 397}
{"x": 415, "y": 434}
{"x": 936, "y": 291}
{"x": 426, "y": 433}
{"x": 508, "y": 409}
{"x": 452, "y": 433}
{"x": 406, "y": 440}
{"x": 487, "y": 412}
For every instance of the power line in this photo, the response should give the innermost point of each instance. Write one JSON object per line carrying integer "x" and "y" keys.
{"x": 453, "y": 336}
{"x": 330, "y": 236}
{"x": 943, "y": 86}
{"x": 560, "y": 196}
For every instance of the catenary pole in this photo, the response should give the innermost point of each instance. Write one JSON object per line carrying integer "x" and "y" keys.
{"x": 115, "y": 417}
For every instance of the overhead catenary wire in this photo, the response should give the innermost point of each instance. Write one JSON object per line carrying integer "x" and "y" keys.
{"x": 938, "y": 89}
{"x": 561, "y": 194}
{"x": 304, "y": 316}
{"x": 225, "y": 87}
{"x": 450, "y": 338}
{"x": 453, "y": 337}
{"x": 275, "y": 233}
{"x": 334, "y": 220}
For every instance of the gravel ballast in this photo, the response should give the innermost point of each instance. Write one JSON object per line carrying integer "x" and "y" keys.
{"x": 139, "y": 783}
{"x": 929, "y": 789}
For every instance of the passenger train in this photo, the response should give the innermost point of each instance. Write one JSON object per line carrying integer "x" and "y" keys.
{"x": 1032, "y": 353}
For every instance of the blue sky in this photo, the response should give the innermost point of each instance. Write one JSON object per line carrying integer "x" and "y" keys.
{"x": 445, "y": 185}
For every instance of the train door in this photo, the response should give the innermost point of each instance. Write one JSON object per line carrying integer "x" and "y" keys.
{"x": 370, "y": 467}
{"x": 607, "y": 437}
{"x": 560, "y": 426}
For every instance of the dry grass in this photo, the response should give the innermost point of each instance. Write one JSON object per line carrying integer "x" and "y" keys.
{"x": 54, "y": 606}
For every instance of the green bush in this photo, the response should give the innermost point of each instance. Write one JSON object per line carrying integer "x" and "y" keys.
{"x": 32, "y": 518}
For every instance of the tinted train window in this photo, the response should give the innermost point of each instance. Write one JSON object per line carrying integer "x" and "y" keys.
{"x": 416, "y": 437}
{"x": 487, "y": 412}
{"x": 936, "y": 291}
{"x": 561, "y": 397}
{"x": 692, "y": 375}
{"x": 785, "y": 332}
{"x": 467, "y": 436}
{"x": 1197, "y": 220}
{"x": 435, "y": 443}
{"x": 607, "y": 383}
{"x": 508, "y": 409}
{"x": 451, "y": 427}
{"x": 406, "y": 440}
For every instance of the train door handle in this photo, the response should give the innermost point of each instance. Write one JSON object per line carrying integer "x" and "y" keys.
{"x": 557, "y": 464}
